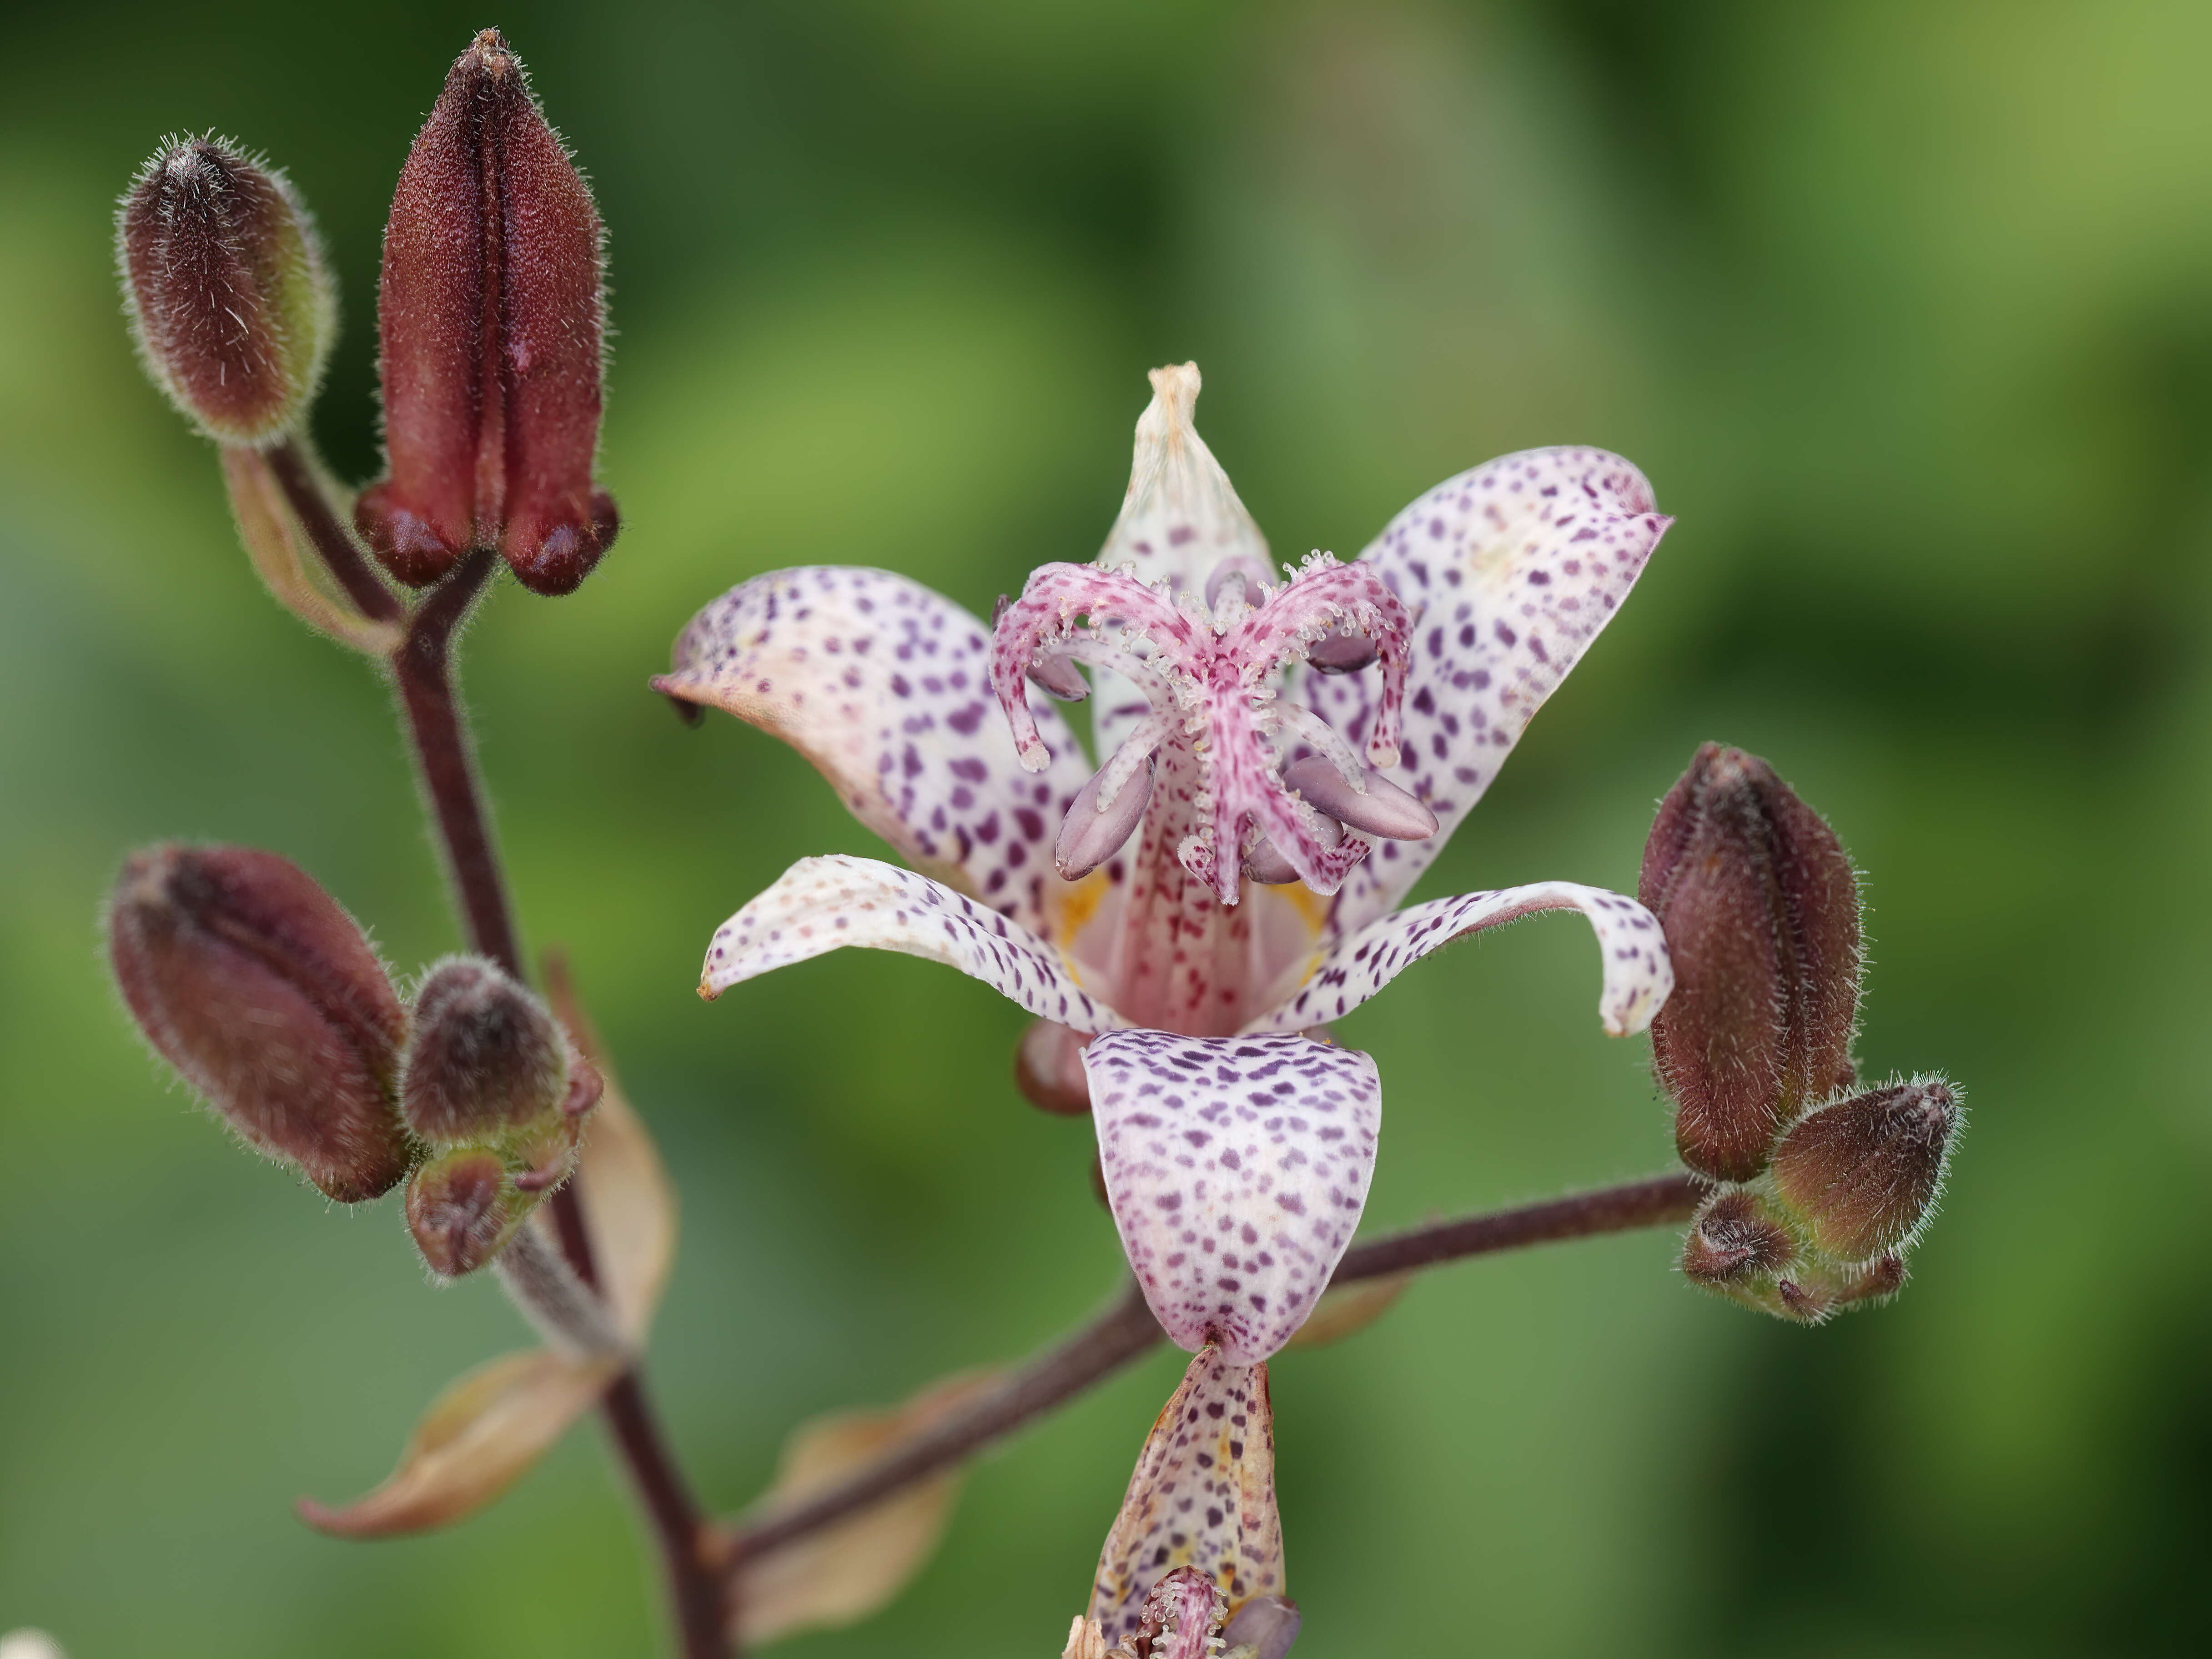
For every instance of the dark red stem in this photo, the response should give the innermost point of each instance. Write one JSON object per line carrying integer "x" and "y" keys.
{"x": 1128, "y": 1329}
{"x": 340, "y": 553}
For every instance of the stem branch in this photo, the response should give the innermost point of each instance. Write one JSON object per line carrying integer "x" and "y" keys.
{"x": 421, "y": 672}
{"x": 1128, "y": 1329}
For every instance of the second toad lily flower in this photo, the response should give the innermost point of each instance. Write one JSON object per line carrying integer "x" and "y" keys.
{"x": 1229, "y": 878}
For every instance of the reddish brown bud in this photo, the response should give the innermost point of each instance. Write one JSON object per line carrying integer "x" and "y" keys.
{"x": 1048, "y": 1069}
{"x": 461, "y": 1209}
{"x": 491, "y": 317}
{"x": 487, "y": 1057}
{"x": 250, "y": 980}
{"x": 1760, "y": 909}
{"x": 1864, "y": 1173}
{"x": 230, "y": 301}
{"x": 1735, "y": 1239}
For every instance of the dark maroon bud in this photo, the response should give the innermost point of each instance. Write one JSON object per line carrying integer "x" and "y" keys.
{"x": 491, "y": 312}
{"x": 1266, "y": 1625}
{"x": 266, "y": 996}
{"x": 1734, "y": 1239}
{"x": 1374, "y": 806}
{"x": 1048, "y": 1069}
{"x": 461, "y": 1209}
{"x": 1864, "y": 1173}
{"x": 231, "y": 302}
{"x": 487, "y": 1057}
{"x": 1341, "y": 651}
{"x": 1760, "y": 909}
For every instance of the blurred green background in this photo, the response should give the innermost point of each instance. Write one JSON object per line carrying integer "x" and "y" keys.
{"x": 1906, "y": 309}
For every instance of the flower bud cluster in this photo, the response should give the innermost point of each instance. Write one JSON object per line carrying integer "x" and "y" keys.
{"x": 268, "y": 1000}
{"x": 1820, "y": 1188}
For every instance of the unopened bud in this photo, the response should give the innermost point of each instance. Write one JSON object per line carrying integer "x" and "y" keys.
{"x": 486, "y": 1057}
{"x": 491, "y": 317}
{"x": 1864, "y": 1173}
{"x": 461, "y": 1208}
{"x": 264, "y": 995}
{"x": 1048, "y": 1069}
{"x": 1760, "y": 908}
{"x": 1264, "y": 1628}
{"x": 1735, "y": 1240}
{"x": 232, "y": 305}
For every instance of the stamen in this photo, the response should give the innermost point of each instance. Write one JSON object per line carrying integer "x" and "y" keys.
{"x": 1340, "y": 652}
{"x": 1097, "y": 827}
{"x": 1317, "y": 733}
{"x": 1250, "y": 573}
{"x": 1266, "y": 863}
{"x": 1373, "y": 806}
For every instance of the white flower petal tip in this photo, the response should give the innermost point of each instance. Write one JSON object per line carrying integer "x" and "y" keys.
{"x": 1237, "y": 1168}
{"x": 886, "y": 687}
{"x": 1638, "y": 974}
{"x": 1514, "y": 568}
{"x": 1202, "y": 1496}
{"x": 824, "y": 904}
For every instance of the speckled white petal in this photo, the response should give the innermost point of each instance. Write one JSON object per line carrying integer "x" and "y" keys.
{"x": 1236, "y": 1168}
{"x": 1202, "y": 1495}
{"x": 1638, "y": 974}
{"x": 825, "y": 904}
{"x": 885, "y": 686}
{"x": 1513, "y": 569}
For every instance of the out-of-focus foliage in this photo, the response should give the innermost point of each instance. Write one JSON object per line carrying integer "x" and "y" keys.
{"x": 1906, "y": 309}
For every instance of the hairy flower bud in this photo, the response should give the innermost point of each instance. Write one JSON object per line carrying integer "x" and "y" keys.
{"x": 250, "y": 980}
{"x": 491, "y": 317}
{"x": 230, "y": 301}
{"x": 1760, "y": 909}
{"x": 1863, "y": 1173}
{"x": 486, "y": 1055}
{"x": 461, "y": 1208}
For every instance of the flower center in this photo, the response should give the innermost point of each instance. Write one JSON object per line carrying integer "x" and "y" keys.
{"x": 1279, "y": 795}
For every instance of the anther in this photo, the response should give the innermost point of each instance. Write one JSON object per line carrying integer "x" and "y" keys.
{"x": 1381, "y": 808}
{"x": 1342, "y": 650}
{"x": 1091, "y": 834}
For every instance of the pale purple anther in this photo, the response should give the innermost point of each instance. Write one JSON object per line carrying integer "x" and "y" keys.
{"x": 1252, "y": 574}
{"x": 1340, "y": 652}
{"x": 1379, "y": 808}
{"x": 1265, "y": 1624}
{"x": 1214, "y": 679}
{"x": 1092, "y": 833}
{"x": 1265, "y": 864}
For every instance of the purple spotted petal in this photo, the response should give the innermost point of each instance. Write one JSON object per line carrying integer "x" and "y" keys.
{"x": 1236, "y": 1168}
{"x": 885, "y": 686}
{"x": 1638, "y": 974}
{"x": 1513, "y": 569}
{"x": 1202, "y": 1495}
{"x": 824, "y": 904}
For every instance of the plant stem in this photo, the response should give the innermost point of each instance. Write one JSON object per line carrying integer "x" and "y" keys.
{"x": 296, "y": 476}
{"x": 421, "y": 672}
{"x": 1128, "y": 1329}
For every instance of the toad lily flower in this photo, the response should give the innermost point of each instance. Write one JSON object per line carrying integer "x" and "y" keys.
{"x": 1228, "y": 879}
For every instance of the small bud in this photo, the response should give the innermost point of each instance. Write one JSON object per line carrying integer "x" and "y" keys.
{"x": 1264, "y": 1628}
{"x": 487, "y": 1056}
{"x": 491, "y": 317}
{"x": 264, "y": 995}
{"x": 1865, "y": 1172}
{"x": 1048, "y": 1069}
{"x": 1760, "y": 909}
{"x": 232, "y": 305}
{"x": 1733, "y": 1240}
{"x": 461, "y": 1208}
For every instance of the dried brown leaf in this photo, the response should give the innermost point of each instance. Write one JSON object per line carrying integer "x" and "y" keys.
{"x": 845, "y": 1573}
{"x": 476, "y": 1440}
{"x": 1350, "y": 1309}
